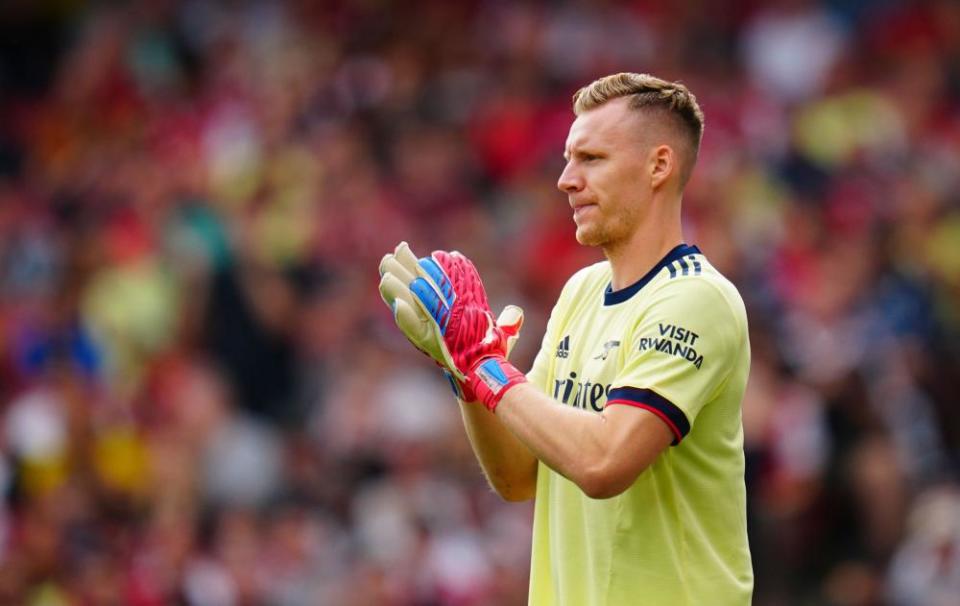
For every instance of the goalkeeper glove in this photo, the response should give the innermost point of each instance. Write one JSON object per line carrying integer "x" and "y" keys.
{"x": 440, "y": 305}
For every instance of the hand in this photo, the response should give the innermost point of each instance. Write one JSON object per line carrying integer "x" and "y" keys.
{"x": 440, "y": 305}
{"x": 509, "y": 321}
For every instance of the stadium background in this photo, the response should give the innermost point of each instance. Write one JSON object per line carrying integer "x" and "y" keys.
{"x": 203, "y": 400}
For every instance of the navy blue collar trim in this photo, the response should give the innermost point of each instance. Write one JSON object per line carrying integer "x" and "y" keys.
{"x": 681, "y": 250}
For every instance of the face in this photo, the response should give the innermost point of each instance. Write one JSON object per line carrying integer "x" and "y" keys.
{"x": 604, "y": 175}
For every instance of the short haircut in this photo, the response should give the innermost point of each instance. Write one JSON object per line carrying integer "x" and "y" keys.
{"x": 647, "y": 93}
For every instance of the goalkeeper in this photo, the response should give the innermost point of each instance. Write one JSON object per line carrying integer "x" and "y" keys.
{"x": 627, "y": 430}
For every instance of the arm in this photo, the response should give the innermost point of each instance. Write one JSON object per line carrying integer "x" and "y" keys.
{"x": 602, "y": 453}
{"x": 440, "y": 304}
{"x": 422, "y": 295}
{"x": 510, "y": 467}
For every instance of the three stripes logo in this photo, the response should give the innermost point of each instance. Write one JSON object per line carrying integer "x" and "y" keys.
{"x": 563, "y": 348}
{"x": 684, "y": 265}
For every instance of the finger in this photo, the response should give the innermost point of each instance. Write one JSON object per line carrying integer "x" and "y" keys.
{"x": 391, "y": 265}
{"x": 382, "y": 268}
{"x": 391, "y": 288}
{"x": 422, "y": 332}
{"x": 511, "y": 320}
{"x": 439, "y": 277}
{"x": 431, "y": 302}
{"x": 406, "y": 296}
{"x": 406, "y": 258}
{"x": 411, "y": 324}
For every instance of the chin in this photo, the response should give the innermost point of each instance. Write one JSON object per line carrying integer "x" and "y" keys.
{"x": 589, "y": 237}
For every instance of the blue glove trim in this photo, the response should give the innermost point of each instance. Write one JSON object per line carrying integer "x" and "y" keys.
{"x": 439, "y": 278}
{"x": 453, "y": 383}
{"x": 438, "y": 310}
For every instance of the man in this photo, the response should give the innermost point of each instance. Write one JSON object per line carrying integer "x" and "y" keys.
{"x": 627, "y": 431}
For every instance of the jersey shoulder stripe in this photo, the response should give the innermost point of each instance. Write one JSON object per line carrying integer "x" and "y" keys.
{"x": 677, "y": 260}
{"x": 688, "y": 265}
{"x": 650, "y": 400}
{"x": 703, "y": 288}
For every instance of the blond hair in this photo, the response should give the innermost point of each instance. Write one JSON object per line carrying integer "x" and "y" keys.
{"x": 646, "y": 93}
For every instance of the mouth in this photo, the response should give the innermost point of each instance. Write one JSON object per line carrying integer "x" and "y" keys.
{"x": 581, "y": 209}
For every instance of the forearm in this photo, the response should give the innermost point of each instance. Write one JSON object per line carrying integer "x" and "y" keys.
{"x": 601, "y": 453}
{"x": 509, "y": 466}
{"x": 566, "y": 439}
{"x": 440, "y": 305}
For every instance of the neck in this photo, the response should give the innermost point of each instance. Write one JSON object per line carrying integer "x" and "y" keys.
{"x": 657, "y": 235}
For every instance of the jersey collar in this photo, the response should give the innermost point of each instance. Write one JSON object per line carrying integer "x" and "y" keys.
{"x": 611, "y": 297}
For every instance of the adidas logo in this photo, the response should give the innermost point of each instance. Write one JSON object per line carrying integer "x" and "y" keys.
{"x": 684, "y": 266}
{"x": 563, "y": 348}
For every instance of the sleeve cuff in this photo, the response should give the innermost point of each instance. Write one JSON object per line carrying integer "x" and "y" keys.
{"x": 647, "y": 399}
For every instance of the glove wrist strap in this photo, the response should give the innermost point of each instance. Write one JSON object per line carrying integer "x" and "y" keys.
{"x": 491, "y": 378}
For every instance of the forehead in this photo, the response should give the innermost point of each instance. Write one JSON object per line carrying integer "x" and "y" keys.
{"x": 613, "y": 123}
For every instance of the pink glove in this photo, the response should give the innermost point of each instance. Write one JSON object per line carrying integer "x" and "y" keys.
{"x": 476, "y": 342}
{"x": 448, "y": 317}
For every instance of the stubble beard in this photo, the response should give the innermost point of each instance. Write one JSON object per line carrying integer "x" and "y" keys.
{"x": 593, "y": 235}
{"x": 609, "y": 234}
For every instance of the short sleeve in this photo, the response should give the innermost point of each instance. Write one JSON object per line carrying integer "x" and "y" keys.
{"x": 682, "y": 349}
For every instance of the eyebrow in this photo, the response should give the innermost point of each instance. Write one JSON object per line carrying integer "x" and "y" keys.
{"x": 583, "y": 150}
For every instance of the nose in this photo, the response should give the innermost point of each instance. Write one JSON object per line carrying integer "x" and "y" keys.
{"x": 570, "y": 180}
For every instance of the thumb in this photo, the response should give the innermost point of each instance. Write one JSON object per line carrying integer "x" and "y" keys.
{"x": 510, "y": 321}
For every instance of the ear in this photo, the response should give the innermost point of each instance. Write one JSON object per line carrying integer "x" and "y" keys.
{"x": 663, "y": 164}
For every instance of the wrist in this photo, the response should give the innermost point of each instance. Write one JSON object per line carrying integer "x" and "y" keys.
{"x": 490, "y": 378}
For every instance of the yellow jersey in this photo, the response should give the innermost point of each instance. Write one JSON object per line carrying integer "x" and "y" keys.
{"x": 674, "y": 343}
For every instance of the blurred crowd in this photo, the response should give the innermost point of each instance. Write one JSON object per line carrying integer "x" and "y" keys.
{"x": 203, "y": 400}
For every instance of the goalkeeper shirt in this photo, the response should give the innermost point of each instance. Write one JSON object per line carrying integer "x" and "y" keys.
{"x": 675, "y": 344}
